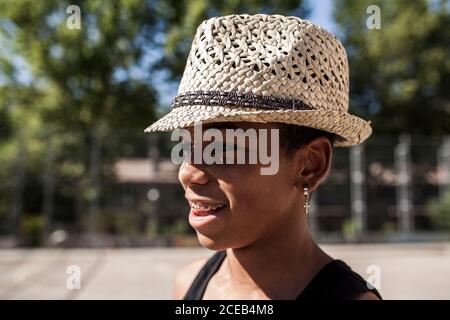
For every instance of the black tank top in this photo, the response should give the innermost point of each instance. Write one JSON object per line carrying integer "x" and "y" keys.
{"x": 335, "y": 281}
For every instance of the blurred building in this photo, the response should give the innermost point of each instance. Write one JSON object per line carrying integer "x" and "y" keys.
{"x": 151, "y": 184}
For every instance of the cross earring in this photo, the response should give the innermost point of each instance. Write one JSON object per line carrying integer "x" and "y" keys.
{"x": 306, "y": 194}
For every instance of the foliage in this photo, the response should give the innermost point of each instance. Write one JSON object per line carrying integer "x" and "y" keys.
{"x": 440, "y": 210}
{"x": 31, "y": 229}
{"x": 400, "y": 73}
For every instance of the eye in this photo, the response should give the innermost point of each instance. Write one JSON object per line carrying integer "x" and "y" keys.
{"x": 226, "y": 147}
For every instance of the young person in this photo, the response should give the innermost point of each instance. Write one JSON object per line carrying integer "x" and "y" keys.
{"x": 289, "y": 78}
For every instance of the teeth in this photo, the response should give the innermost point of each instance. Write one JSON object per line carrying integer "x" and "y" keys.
{"x": 205, "y": 207}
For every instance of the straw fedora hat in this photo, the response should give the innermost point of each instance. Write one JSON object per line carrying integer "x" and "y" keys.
{"x": 266, "y": 68}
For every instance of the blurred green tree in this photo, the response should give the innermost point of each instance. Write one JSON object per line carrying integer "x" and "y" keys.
{"x": 83, "y": 77}
{"x": 72, "y": 88}
{"x": 400, "y": 73}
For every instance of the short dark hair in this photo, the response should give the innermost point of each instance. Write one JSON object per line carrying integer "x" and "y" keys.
{"x": 292, "y": 136}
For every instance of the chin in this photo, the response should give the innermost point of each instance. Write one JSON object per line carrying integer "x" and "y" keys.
{"x": 212, "y": 243}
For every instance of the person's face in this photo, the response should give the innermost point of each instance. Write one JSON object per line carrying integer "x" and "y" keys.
{"x": 255, "y": 205}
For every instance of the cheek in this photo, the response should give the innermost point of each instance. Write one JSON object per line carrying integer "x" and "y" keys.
{"x": 257, "y": 199}
{"x": 253, "y": 198}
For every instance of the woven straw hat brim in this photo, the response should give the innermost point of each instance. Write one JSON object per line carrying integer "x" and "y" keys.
{"x": 351, "y": 130}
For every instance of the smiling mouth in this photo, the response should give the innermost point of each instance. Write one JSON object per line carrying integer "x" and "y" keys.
{"x": 203, "y": 208}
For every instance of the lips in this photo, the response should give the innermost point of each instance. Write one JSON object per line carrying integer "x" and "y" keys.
{"x": 203, "y": 208}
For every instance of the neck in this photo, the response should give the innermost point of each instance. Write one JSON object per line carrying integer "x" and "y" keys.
{"x": 279, "y": 266}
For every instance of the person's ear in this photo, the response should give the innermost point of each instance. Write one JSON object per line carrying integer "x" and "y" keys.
{"x": 316, "y": 163}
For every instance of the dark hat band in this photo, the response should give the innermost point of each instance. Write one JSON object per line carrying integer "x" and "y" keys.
{"x": 237, "y": 99}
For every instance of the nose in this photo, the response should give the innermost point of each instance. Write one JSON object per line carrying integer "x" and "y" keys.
{"x": 192, "y": 174}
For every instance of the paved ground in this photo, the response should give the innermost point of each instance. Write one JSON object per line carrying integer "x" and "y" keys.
{"x": 408, "y": 271}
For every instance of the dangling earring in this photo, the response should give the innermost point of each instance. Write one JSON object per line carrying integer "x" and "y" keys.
{"x": 306, "y": 194}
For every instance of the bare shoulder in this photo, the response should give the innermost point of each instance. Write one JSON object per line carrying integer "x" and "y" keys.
{"x": 184, "y": 277}
{"x": 367, "y": 296}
